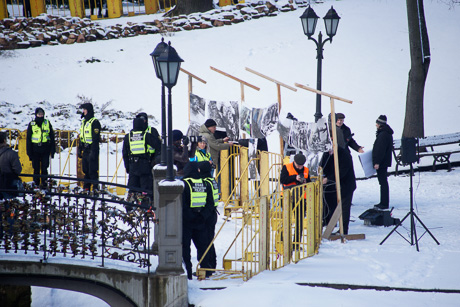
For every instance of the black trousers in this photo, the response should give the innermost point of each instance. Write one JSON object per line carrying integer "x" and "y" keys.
{"x": 195, "y": 232}
{"x": 40, "y": 164}
{"x": 346, "y": 211}
{"x": 90, "y": 165}
{"x": 382, "y": 176}
{"x": 211, "y": 230}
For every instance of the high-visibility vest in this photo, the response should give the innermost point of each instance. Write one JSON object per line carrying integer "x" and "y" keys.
{"x": 40, "y": 134}
{"x": 86, "y": 133}
{"x": 150, "y": 149}
{"x": 291, "y": 170}
{"x": 197, "y": 192}
{"x": 215, "y": 189}
{"x": 200, "y": 156}
{"x": 137, "y": 142}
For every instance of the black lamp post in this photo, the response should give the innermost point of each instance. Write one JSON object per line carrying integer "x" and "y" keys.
{"x": 155, "y": 54}
{"x": 331, "y": 21}
{"x": 169, "y": 66}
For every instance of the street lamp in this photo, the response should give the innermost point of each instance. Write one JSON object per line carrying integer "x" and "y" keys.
{"x": 155, "y": 54}
{"x": 169, "y": 66}
{"x": 331, "y": 22}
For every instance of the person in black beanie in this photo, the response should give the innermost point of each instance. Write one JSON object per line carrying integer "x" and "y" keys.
{"x": 194, "y": 215}
{"x": 382, "y": 158}
{"x": 294, "y": 174}
{"x": 136, "y": 157}
{"x": 88, "y": 150}
{"x": 40, "y": 145}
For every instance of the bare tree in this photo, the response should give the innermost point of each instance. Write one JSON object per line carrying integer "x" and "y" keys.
{"x": 420, "y": 62}
{"x": 185, "y": 7}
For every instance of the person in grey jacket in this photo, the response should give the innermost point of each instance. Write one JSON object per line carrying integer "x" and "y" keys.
{"x": 10, "y": 167}
{"x": 207, "y": 131}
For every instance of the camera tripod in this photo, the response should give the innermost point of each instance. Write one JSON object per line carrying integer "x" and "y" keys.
{"x": 413, "y": 216}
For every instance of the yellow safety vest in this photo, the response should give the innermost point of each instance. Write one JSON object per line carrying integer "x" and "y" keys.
{"x": 137, "y": 142}
{"x": 200, "y": 156}
{"x": 215, "y": 189}
{"x": 86, "y": 133}
{"x": 197, "y": 192}
{"x": 40, "y": 134}
{"x": 150, "y": 149}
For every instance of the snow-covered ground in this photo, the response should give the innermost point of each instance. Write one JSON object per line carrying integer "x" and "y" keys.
{"x": 368, "y": 62}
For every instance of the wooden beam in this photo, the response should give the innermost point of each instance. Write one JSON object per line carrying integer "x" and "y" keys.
{"x": 322, "y": 93}
{"x": 271, "y": 79}
{"x": 190, "y": 87}
{"x": 235, "y": 78}
{"x": 193, "y": 76}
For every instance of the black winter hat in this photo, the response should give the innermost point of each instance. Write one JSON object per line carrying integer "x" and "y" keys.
{"x": 38, "y": 110}
{"x": 210, "y": 123}
{"x": 177, "y": 135}
{"x": 300, "y": 159}
{"x": 339, "y": 116}
{"x": 382, "y": 120}
{"x": 88, "y": 106}
{"x": 144, "y": 116}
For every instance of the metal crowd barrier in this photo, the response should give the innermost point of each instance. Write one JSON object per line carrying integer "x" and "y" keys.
{"x": 82, "y": 8}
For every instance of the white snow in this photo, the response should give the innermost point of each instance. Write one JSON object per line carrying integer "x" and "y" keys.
{"x": 367, "y": 62}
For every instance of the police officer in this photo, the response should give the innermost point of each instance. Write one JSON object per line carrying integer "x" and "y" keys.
{"x": 212, "y": 201}
{"x": 40, "y": 145}
{"x": 136, "y": 156}
{"x": 194, "y": 215}
{"x": 88, "y": 150}
{"x": 154, "y": 151}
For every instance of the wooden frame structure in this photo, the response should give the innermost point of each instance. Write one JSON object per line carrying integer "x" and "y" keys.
{"x": 190, "y": 87}
{"x": 337, "y": 215}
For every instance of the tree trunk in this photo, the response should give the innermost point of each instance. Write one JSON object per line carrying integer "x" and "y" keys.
{"x": 420, "y": 62}
{"x": 185, "y": 7}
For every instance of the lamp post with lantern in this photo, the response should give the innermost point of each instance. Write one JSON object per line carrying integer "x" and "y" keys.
{"x": 155, "y": 54}
{"x": 168, "y": 63}
{"x": 331, "y": 22}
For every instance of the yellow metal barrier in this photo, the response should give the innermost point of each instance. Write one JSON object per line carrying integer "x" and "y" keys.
{"x": 271, "y": 228}
{"x": 66, "y": 160}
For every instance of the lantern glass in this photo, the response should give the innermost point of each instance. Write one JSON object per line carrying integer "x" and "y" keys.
{"x": 309, "y": 19}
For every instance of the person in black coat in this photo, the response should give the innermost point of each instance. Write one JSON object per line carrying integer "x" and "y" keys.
{"x": 136, "y": 156}
{"x": 88, "y": 149}
{"x": 344, "y": 135}
{"x": 10, "y": 168}
{"x": 382, "y": 158}
{"x": 194, "y": 217}
{"x": 347, "y": 185}
{"x": 40, "y": 145}
{"x": 212, "y": 201}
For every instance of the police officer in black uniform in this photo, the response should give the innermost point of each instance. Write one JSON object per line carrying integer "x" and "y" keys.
{"x": 88, "y": 150}
{"x": 194, "y": 215}
{"x": 40, "y": 145}
{"x": 212, "y": 201}
{"x": 136, "y": 156}
{"x": 154, "y": 152}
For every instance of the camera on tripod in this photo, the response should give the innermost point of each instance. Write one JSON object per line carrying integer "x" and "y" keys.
{"x": 195, "y": 138}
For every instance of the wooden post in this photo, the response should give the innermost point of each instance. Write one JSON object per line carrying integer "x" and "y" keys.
{"x": 278, "y": 88}
{"x": 190, "y": 87}
{"x": 338, "y": 211}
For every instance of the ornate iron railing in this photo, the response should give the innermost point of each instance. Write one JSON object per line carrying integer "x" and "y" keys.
{"x": 71, "y": 222}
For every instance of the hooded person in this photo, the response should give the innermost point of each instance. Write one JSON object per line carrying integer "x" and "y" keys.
{"x": 194, "y": 215}
{"x": 88, "y": 149}
{"x": 382, "y": 158}
{"x": 212, "y": 201}
{"x": 10, "y": 168}
{"x": 181, "y": 153}
{"x": 136, "y": 158}
{"x": 40, "y": 145}
{"x": 154, "y": 151}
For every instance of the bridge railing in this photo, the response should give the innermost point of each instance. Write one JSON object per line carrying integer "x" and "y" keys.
{"x": 95, "y": 225}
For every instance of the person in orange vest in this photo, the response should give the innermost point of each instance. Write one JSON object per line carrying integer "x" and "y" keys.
{"x": 294, "y": 174}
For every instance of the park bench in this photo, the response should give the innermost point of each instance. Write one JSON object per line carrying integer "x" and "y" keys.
{"x": 427, "y": 146}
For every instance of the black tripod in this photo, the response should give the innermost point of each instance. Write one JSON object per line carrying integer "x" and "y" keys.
{"x": 411, "y": 213}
